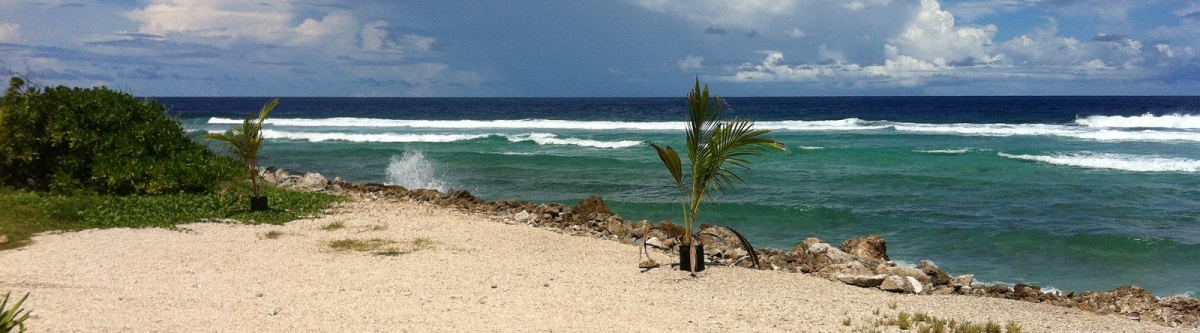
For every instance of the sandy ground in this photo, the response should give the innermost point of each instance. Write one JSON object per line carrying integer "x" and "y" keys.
{"x": 478, "y": 276}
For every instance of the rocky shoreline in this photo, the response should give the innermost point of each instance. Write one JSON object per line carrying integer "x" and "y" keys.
{"x": 860, "y": 262}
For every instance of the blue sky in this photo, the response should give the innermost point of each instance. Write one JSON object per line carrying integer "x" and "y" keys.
{"x": 606, "y": 47}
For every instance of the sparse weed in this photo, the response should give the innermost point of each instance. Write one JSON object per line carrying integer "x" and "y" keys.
{"x": 379, "y": 227}
{"x": 846, "y": 322}
{"x": 335, "y": 225}
{"x": 273, "y": 234}
{"x": 992, "y": 327}
{"x": 1013, "y": 327}
{"x": 359, "y": 244}
{"x": 892, "y": 305}
{"x": 925, "y": 323}
{"x": 902, "y": 321}
{"x": 422, "y": 243}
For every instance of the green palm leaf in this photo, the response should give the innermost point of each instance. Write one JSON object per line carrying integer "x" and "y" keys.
{"x": 246, "y": 140}
{"x": 712, "y": 147}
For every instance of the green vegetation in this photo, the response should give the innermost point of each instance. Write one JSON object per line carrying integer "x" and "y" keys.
{"x": 12, "y": 318}
{"x": 98, "y": 140}
{"x": 245, "y": 141}
{"x": 924, "y": 323}
{"x": 28, "y": 213}
{"x": 383, "y": 247}
{"x": 73, "y": 159}
{"x": 273, "y": 234}
{"x": 710, "y": 144}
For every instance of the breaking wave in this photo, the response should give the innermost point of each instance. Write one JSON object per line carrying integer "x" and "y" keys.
{"x": 1123, "y": 162}
{"x": 1148, "y": 120}
{"x": 539, "y": 138}
{"x": 551, "y": 139}
{"x": 413, "y": 171}
{"x": 358, "y": 137}
{"x": 1172, "y": 128}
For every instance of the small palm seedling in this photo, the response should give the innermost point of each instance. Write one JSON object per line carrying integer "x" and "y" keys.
{"x": 245, "y": 141}
{"x": 11, "y": 318}
{"x": 711, "y": 143}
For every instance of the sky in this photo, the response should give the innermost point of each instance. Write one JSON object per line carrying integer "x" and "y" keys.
{"x": 606, "y": 48}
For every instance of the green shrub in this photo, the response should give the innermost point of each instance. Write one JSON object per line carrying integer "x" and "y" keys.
{"x": 100, "y": 140}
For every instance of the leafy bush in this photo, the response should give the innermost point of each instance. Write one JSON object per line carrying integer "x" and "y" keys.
{"x": 100, "y": 140}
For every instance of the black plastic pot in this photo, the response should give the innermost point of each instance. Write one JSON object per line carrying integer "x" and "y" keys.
{"x": 685, "y": 258}
{"x": 259, "y": 204}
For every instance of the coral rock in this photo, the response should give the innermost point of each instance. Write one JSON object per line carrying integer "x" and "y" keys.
{"x": 872, "y": 246}
{"x": 865, "y": 281}
{"x": 893, "y": 283}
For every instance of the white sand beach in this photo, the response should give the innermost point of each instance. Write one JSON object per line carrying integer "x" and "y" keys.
{"x": 478, "y": 276}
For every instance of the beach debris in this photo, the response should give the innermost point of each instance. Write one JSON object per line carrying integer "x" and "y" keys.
{"x": 648, "y": 264}
{"x": 655, "y": 242}
{"x": 870, "y": 246}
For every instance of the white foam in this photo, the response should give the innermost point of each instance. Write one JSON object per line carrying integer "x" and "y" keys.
{"x": 551, "y": 139}
{"x": 466, "y": 124}
{"x": 1143, "y": 121}
{"x": 1181, "y": 130}
{"x": 413, "y": 171}
{"x": 1123, "y": 162}
{"x": 811, "y": 148}
{"x": 355, "y": 137}
{"x": 945, "y": 151}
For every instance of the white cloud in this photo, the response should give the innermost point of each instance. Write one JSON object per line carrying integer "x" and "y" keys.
{"x": 933, "y": 37}
{"x": 742, "y": 13}
{"x": 691, "y": 63}
{"x": 932, "y": 48}
{"x": 10, "y": 33}
{"x": 376, "y": 37}
{"x": 230, "y": 21}
{"x": 856, "y": 5}
{"x": 796, "y": 33}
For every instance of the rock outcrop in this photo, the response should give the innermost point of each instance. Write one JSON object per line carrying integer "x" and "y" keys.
{"x": 871, "y": 246}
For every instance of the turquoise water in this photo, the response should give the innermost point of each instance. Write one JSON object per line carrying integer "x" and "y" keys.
{"x": 1060, "y": 193}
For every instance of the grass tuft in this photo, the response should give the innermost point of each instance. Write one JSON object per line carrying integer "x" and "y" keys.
{"x": 335, "y": 225}
{"x": 359, "y": 244}
{"x": 1012, "y": 327}
{"x": 902, "y": 321}
{"x": 273, "y": 234}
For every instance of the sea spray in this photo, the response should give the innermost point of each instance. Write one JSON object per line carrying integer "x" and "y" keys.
{"x": 413, "y": 171}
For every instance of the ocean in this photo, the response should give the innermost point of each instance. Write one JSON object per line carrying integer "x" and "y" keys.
{"x": 1071, "y": 193}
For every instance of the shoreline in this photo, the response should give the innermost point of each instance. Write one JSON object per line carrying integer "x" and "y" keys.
{"x": 480, "y": 273}
{"x": 591, "y": 217}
